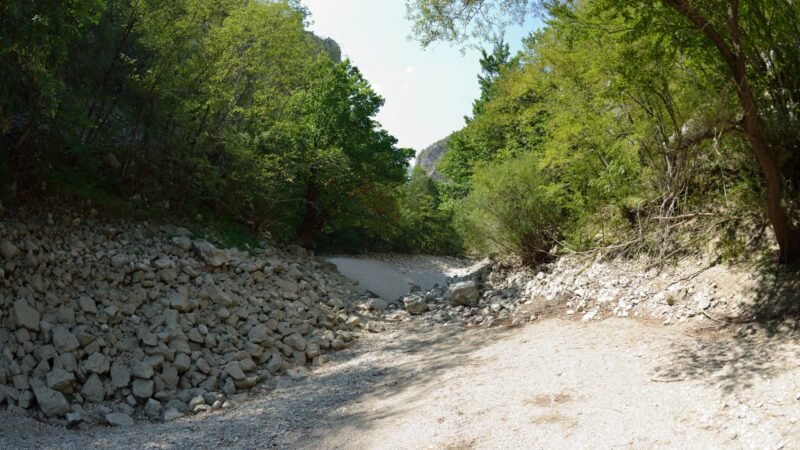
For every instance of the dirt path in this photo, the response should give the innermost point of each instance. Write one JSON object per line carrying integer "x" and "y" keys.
{"x": 555, "y": 384}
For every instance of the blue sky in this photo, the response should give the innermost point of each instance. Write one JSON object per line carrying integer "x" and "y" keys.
{"x": 427, "y": 92}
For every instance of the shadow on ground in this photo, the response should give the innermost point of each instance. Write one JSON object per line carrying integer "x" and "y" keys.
{"x": 328, "y": 401}
{"x": 752, "y": 347}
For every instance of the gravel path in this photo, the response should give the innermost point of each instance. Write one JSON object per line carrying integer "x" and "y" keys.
{"x": 617, "y": 383}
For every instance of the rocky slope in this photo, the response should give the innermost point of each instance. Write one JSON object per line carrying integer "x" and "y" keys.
{"x": 429, "y": 157}
{"x": 110, "y": 322}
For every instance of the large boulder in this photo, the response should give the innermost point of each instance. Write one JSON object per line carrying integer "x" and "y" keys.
{"x": 464, "y": 293}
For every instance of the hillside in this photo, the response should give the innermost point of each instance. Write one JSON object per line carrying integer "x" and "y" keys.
{"x": 429, "y": 157}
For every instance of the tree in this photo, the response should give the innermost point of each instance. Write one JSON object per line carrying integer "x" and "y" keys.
{"x": 736, "y": 49}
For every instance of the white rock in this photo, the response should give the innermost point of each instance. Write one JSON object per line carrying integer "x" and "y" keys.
{"x": 464, "y": 293}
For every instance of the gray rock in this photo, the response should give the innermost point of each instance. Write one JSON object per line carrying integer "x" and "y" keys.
{"x": 63, "y": 340}
{"x": 258, "y": 334}
{"x": 218, "y": 296}
{"x": 296, "y": 341}
{"x": 143, "y": 388}
{"x": 464, "y": 293}
{"x": 26, "y": 316}
{"x": 182, "y": 362}
{"x": 152, "y": 408}
{"x": 179, "y": 301}
{"x": 415, "y": 305}
{"x": 142, "y": 369}
{"x": 119, "y": 420}
{"x": 61, "y": 380}
{"x": 210, "y": 254}
{"x": 52, "y": 403}
{"x": 8, "y": 250}
{"x": 171, "y": 414}
{"x": 87, "y": 305}
{"x": 120, "y": 375}
{"x": 97, "y": 363}
{"x": 234, "y": 369}
{"x": 74, "y": 419}
{"x": 93, "y": 389}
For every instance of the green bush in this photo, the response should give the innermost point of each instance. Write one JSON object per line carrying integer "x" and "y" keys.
{"x": 512, "y": 208}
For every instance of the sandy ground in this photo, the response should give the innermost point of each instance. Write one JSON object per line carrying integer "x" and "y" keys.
{"x": 390, "y": 276}
{"x": 616, "y": 383}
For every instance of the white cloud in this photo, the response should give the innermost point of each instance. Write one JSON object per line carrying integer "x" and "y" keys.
{"x": 410, "y": 69}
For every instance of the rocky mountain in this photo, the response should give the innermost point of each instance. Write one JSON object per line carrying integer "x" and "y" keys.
{"x": 428, "y": 158}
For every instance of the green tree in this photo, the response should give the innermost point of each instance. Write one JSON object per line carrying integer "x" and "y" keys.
{"x": 734, "y": 39}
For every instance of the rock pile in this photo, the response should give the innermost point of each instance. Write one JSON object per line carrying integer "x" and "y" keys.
{"x": 153, "y": 323}
{"x": 574, "y": 287}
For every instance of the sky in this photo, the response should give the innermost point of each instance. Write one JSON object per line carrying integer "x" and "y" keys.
{"x": 428, "y": 92}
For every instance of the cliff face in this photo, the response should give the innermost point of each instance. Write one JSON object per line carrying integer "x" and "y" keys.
{"x": 430, "y": 157}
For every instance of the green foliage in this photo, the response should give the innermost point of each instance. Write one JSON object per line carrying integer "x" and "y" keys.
{"x": 512, "y": 208}
{"x": 228, "y": 108}
{"x": 624, "y": 112}
{"x": 424, "y": 226}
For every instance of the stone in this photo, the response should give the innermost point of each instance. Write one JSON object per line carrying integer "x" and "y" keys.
{"x": 87, "y": 305}
{"x": 197, "y": 400}
{"x": 52, "y": 403}
{"x": 120, "y": 375}
{"x": 63, "y": 340}
{"x": 415, "y": 305}
{"x": 142, "y": 369}
{"x": 60, "y": 380}
{"x": 8, "y": 250}
{"x": 93, "y": 389}
{"x": 152, "y": 408}
{"x": 119, "y": 419}
{"x": 171, "y": 414}
{"x": 210, "y": 254}
{"x": 179, "y": 301}
{"x": 26, "y": 316}
{"x": 143, "y": 388}
{"x": 74, "y": 419}
{"x": 218, "y": 296}
{"x": 464, "y": 293}
{"x": 234, "y": 369}
{"x": 97, "y": 363}
{"x": 295, "y": 341}
{"x": 258, "y": 334}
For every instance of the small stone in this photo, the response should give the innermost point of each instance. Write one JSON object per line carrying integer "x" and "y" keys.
{"x": 179, "y": 301}
{"x": 87, "y": 305}
{"x": 234, "y": 369}
{"x": 8, "y": 250}
{"x": 295, "y": 341}
{"x": 183, "y": 362}
{"x": 143, "y": 388}
{"x": 26, "y": 316}
{"x": 97, "y": 363}
{"x": 120, "y": 375}
{"x": 142, "y": 370}
{"x": 171, "y": 414}
{"x": 258, "y": 334}
{"x": 415, "y": 305}
{"x": 152, "y": 408}
{"x": 119, "y": 420}
{"x": 74, "y": 419}
{"x": 60, "y": 380}
{"x": 63, "y": 340}
{"x": 93, "y": 389}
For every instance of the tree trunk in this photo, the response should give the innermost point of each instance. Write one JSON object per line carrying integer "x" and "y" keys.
{"x": 786, "y": 233}
{"x": 313, "y": 221}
